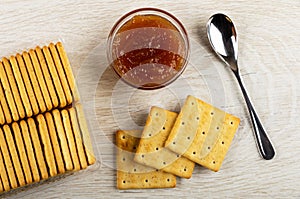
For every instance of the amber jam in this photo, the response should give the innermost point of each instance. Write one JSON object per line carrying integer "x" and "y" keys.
{"x": 148, "y": 48}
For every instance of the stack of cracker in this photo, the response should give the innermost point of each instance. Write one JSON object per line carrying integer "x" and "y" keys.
{"x": 43, "y": 131}
{"x": 170, "y": 144}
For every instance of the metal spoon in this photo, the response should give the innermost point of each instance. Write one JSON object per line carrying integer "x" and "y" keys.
{"x": 223, "y": 39}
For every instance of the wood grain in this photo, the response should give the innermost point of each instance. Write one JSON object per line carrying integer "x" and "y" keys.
{"x": 269, "y": 59}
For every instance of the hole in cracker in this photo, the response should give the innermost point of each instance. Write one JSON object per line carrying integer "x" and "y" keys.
{"x": 212, "y": 113}
{"x": 177, "y": 155}
{"x": 164, "y": 163}
{"x": 164, "y": 128}
{"x": 123, "y": 137}
{"x": 124, "y": 181}
{"x": 168, "y": 180}
{"x": 156, "y": 114}
{"x": 223, "y": 142}
{"x": 188, "y": 138}
{"x": 197, "y": 118}
{"x": 156, "y": 148}
{"x": 218, "y": 128}
{"x": 182, "y": 123}
{"x": 157, "y": 170}
{"x": 231, "y": 123}
{"x": 124, "y": 159}
{"x": 214, "y": 162}
{"x": 150, "y": 134}
{"x": 184, "y": 169}
{"x": 174, "y": 142}
{"x": 192, "y": 103}
{"x": 194, "y": 152}
{"x": 208, "y": 147}
{"x": 143, "y": 156}
{"x": 134, "y": 170}
{"x": 146, "y": 180}
{"x": 203, "y": 133}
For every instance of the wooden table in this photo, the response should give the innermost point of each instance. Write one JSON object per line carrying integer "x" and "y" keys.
{"x": 269, "y": 40}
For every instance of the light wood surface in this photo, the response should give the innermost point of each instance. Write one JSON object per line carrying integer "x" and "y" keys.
{"x": 269, "y": 40}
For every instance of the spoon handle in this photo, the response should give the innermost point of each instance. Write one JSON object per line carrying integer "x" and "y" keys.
{"x": 264, "y": 144}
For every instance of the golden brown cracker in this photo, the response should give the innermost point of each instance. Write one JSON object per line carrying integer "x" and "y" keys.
{"x": 70, "y": 138}
{"x": 202, "y": 133}
{"x": 151, "y": 150}
{"x": 20, "y": 85}
{"x": 61, "y": 73}
{"x": 55, "y": 78}
{"x": 27, "y": 83}
{"x": 48, "y": 151}
{"x": 55, "y": 143}
{"x": 131, "y": 175}
{"x": 4, "y": 104}
{"x": 62, "y": 140}
{"x": 34, "y": 80}
{"x": 14, "y": 87}
{"x": 8, "y": 162}
{"x": 37, "y": 148}
{"x": 41, "y": 79}
{"x": 30, "y": 151}
{"x": 8, "y": 95}
{"x": 68, "y": 71}
{"x": 3, "y": 173}
{"x": 22, "y": 152}
{"x": 2, "y": 117}
{"x": 47, "y": 76}
{"x": 85, "y": 135}
{"x": 14, "y": 155}
{"x": 78, "y": 140}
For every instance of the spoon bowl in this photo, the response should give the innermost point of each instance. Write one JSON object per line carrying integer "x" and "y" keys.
{"x": 223, "y": 38}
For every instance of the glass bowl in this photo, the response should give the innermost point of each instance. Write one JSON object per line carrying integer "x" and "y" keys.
{"x": 148, "y": 48}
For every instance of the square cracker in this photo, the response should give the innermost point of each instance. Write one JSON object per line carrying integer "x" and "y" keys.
{"x": 47, "y": 76}
{"x": 14, "y": 155}
{"x": 61, "y": 73}
{"x": 131, "y": 175}
{"x": 37, "y": 148}
{"x": 46, "y": 143}
{"x": 78, "y": 139}
{"x": 54, "y": 75}
{"x": 8, "y": 161}
{"x": 151, "y": 150}
{"x": 7, "y": 97}
{"x": 27, "y": 83}
{"x": 35, "y": 84}
{"x": 70, "y": 138}
{"x": 14, "y": 87}
{"x": 85, "y": 134}
{"x": 202, "y": 133}
{"x": 55, "y": 143}
{"x": 20, "y": 84}
{"x": 30, "y": 151}
{"x": 62, "y": 140}
{"x": 22, "y": 152}
{"x": 68, "y": 71}
{"x": 41, "y": 79}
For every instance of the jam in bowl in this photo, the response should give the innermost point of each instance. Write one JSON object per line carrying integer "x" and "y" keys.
{"x": 148, "y": 48}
